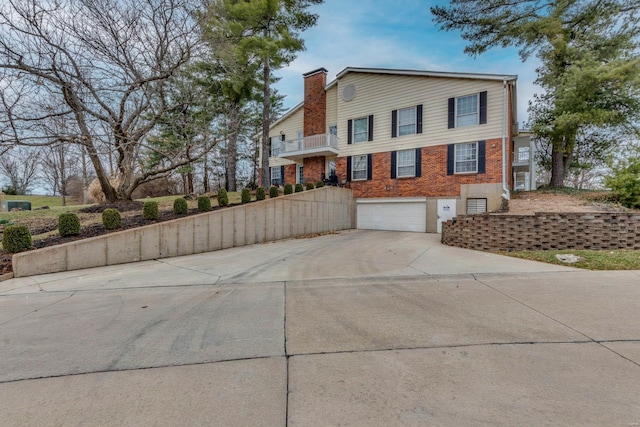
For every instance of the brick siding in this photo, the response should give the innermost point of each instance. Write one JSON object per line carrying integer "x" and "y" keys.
{"x": 315, "y": 104}
{"x": 314, "y": 167}
{"x": 544, "y": 231}
{"x": 434, "y": 181}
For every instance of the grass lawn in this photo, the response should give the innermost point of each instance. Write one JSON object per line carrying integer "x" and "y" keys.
{"x": 591, "y": 260}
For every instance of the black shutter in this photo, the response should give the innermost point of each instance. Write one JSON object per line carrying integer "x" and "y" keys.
{"x": 394, "y": 123}
{"x": 482, "y": 157}
{"x": 452, "y": 113}
{"x": 282, "y": 137}
{"x": 451, "y": 157}
{"x": 348, "y": 168}
{"x": 369, "y": 164}
{"x": 418, "y": 162}
{"x": 281, "y": 175}
{"x": 349, "y": 131}
{"x": 483, "y": 107}
{"x": 371, "y": 128}
{"x": 419, "y": 119}
{"x": 393, "y": 164}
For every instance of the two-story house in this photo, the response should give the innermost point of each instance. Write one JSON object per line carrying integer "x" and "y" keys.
{"x": 416, "y": 147}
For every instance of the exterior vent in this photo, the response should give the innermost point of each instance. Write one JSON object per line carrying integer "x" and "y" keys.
{"x": 349, "y": 92}
{"x": 476, "y": 206}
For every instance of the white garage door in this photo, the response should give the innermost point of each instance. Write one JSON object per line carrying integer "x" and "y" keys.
{"x": 393, "y": 214}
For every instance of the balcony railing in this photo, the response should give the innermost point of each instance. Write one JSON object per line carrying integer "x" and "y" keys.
{"x": 521, "y": 157}
{"x": 322, "y": 144}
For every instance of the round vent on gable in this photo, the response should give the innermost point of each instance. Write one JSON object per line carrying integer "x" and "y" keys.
{"x": 349, "y": 92}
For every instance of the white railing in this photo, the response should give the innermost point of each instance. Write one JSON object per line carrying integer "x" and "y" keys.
{"x": 521, "y": 157}
{"x": 309, "y": 142}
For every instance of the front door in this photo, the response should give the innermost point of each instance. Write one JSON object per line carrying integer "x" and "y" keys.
{"x": 446, "y": 211}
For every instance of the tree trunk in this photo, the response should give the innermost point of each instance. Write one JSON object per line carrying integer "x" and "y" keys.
{"x": 557, "y": 166}
{"x": 205, "y": 174}
{"x": 232, "y": 147}
{"x": 266, "y": 121}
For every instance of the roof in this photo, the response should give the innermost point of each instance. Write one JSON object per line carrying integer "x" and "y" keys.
{"x": 423, "y": 73}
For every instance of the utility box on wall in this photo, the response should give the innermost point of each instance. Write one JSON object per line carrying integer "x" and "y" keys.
{"x": 22, "y": 205}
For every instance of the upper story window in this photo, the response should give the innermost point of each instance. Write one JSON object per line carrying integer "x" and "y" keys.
{"x": 406, "y": 121}
{"x": 466, "y": 157}
{"x": 468, "y": 110}
{"x": 360, "y": 130}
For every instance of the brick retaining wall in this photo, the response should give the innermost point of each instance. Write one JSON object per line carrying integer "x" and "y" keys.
{"x": 543, "y": 231}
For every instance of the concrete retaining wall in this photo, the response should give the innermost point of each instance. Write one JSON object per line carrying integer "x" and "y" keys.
{"x": 544, "y": 231}
{"x": 317, "y": 211}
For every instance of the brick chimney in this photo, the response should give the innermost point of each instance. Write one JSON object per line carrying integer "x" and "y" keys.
{"x": 315, "y": 102}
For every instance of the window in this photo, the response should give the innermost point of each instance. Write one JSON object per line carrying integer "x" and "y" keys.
{"x": 275, "y": 146}
{"x": 407, "y": 121}
{"x": 359, "y": 168}
{"x": 406, "y": 163}
{"x": 476, "y": 206}
{"x": 333, "y": 130}
{"x": 466, "y": 158}
{"x": 467, "y": 110}
{"x": 361, "y": 130}
{"x": 276, "y": 176}
{"x": 300, "y": 174}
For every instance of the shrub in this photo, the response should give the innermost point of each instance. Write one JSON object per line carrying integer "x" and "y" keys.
{"x": 16, "y": 238}
{"x": 273, "y": 192}
{"x": 204, "y": 203}
{"x": 68, "y": 224}
{"x": 111, "y": 219}
{"x": 310, "y": 186}
{"x": 319, "y": 184}
{"x": 223, "y": 198}
{"x": 180, "y": 206}
{"x": 299, "y": 188}
{"x": 288, "y": 189}
{"x": 150, "y": 210}
{"x": 625, "y": 182}
{"x": 245, "y": 195}
{"x": 260, "y": 195}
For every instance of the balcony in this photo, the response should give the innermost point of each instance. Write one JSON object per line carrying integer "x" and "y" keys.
{"x": 521, "y": 157}
{"x": 309, "y": 146}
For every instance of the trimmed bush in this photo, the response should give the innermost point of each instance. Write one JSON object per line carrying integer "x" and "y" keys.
{"x": 68, "y": 224}
{"x": 299, "y": 188}
{"x": 223, "y": 198}
{"x": 260, "y": 195}
{"x": 180, "y": 206}
{"x": 310, "y": 186}
{"x": 288, "y": 189}
{"x": 17, "y": 238}
{"x": 319, "y": 184}
{"x": 245, "y": 195}
{"x": 204, "y": 203}
{"x": 273, "y": 192}
{"x": 111, "y": 219}
{"x": 150, "y": 210}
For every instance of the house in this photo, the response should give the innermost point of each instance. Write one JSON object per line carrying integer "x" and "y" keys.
{"x": 416, "y": 147}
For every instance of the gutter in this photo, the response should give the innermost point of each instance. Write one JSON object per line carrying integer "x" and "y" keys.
{"x": 505, "y": 188}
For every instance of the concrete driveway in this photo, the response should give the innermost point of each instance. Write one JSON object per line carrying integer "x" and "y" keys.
{"x": 355, "y": 328}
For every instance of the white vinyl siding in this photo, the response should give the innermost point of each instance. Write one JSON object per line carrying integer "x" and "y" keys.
{"x": 406, "y": 163}
{"x": 380, "y": 94}
{"x": 407, "y": 121}
{"x": 466, "y": 157}
{"x": 359, "y": 168}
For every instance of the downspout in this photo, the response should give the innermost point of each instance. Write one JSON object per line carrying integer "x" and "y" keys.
{"x": 505, "y": 187}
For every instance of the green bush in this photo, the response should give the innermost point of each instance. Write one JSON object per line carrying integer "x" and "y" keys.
{"x": 68, "y": 224}
{"x": 288, "y": 189}
{"x": 204, "y": 203}
{"x": 16, "y": 238}
{"x": 625, "y": 182}
{"x": 111, "y": 219}
{"x": 223, "y": 198}
{"x": 260, "y": 194}
{"x": 274, "y": 192}
{"x": 245, "y": 195}
{"x": 4, "y": 221}
{"x": 299, "y": 188}
{"x": 180, "y": 206}
{"x": 310, "y": 186}
{"x": 319, "y": 184}
{"x": 150, "y": 210}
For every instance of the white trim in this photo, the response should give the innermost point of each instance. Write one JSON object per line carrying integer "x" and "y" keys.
{"x": 442, "y": 74}
{"x": 393, "y": 200}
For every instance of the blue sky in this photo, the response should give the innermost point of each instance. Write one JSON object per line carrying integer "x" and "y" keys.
{"x": 394, "y": 34}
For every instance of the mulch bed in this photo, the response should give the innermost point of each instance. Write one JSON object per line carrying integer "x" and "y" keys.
{"x": 128, "y": 221}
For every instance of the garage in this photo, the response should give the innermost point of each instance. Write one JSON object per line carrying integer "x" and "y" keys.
{"x": 392, "y": 214}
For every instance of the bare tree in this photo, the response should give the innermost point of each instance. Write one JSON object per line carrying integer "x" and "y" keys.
{"x": 102, "y": 65}
{"x": 20, "y": 166}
